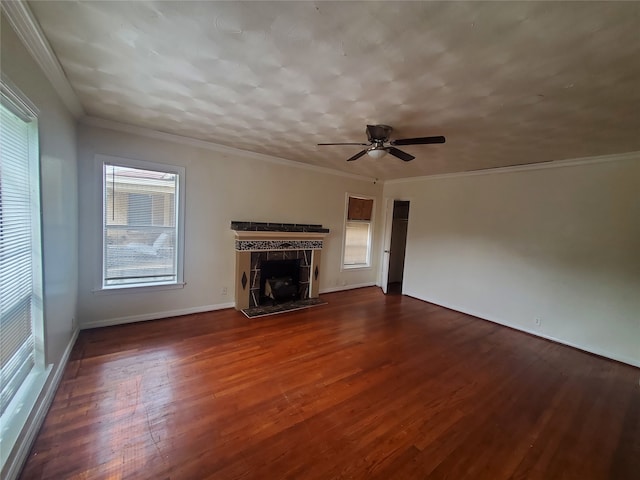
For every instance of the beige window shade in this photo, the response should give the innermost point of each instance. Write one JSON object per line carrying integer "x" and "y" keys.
{"x": 360, "y": 209}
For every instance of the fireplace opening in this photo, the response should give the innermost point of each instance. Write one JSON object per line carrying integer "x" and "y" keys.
{"x": 279, "y": 281}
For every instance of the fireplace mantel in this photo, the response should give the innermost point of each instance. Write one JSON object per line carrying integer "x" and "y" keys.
{"x": 276, "y": 228}
{"x": 255, "y": 235}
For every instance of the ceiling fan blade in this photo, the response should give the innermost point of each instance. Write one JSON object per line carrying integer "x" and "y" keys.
{"x": 363, "y": 144}
{"x": 356, "y": 156}
{"x": 418, "y": 141}
{"x": 379, "y": 132}
{"x": 400, "y": 154}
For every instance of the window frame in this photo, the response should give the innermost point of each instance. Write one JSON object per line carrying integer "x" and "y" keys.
{"x": 17, "y": 413}
{"x": 369, "y": 262}
{"x": 100, "y": 162}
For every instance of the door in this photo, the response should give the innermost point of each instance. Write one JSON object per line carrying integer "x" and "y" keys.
{"x": 388, "y": 220}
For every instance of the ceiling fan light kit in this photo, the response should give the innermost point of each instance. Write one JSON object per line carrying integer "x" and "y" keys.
{"x": 378, "y": 136}
{"x": 376, "y": 153}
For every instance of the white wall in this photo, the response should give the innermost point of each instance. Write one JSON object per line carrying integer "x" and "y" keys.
{"x": 559, "y": 244}
{"x": 59, "y": 203}
{"x": 219, "y": 188}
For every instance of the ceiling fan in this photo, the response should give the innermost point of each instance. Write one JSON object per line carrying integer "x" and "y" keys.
{"x": 379, "y": 144}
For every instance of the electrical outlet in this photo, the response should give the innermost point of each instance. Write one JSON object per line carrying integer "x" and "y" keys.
{"x": 223, "y": 291}
{"x": 538, "y": 321}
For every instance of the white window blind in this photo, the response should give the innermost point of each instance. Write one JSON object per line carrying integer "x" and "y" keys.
{"x": 356, "y": 243}
{"x": 17, "y": 238}
{"x": 140, "y": 226}
{"x": 357, "y": 237}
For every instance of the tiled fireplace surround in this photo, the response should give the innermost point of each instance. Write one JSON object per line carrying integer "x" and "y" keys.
{"x": 257, "y": 242}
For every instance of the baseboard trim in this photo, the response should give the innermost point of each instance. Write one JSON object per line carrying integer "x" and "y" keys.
{"x": 347, "y": 287}
{"x": 585, "y": 348}
{"x": 109, "y": 322}
{"x": 42, "y": 408}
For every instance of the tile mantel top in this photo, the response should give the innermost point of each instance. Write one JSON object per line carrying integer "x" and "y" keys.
{"x": 254, "y": 235}
{"x": 288, "y": 228}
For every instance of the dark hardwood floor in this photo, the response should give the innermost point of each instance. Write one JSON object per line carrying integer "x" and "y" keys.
{"x": 367, "y": 386}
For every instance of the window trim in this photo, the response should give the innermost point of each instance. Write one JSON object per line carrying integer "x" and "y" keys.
{"x": 369, "y": 264}
{"x": 100, "y": 161}
{"x": 24, "y": 400}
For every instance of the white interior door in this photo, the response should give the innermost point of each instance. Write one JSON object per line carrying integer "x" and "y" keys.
{"x": 386, "y": 244}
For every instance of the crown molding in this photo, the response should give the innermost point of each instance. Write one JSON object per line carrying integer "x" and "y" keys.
{"x": 19, "y": 102}
{"x": 572, "y": 162}
{"x": 33, "y": 38}
{"x": 215, "y": 147}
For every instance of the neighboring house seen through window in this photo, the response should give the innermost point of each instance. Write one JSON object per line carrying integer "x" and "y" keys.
{"x": 139, "y": 209}
{"x": 141, "y": 224}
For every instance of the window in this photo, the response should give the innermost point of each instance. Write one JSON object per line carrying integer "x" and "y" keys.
{"x": 358, "y": 232}
{"x": 141, "y": 231}
{"x": 22, "y": 372}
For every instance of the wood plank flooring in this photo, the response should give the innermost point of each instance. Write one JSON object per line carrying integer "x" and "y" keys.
{"x": 368, "y": 386}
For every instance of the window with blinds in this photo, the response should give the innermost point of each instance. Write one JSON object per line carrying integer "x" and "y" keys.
{"x": 357, "y": 237}
{"x": 141, "y": 219}
{"x": 20, "y": 274}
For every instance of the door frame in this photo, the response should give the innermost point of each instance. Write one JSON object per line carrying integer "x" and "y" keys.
{"x": 386, "y": 238}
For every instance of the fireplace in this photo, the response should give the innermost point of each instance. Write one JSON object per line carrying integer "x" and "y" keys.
{"x": 276, "y": 262}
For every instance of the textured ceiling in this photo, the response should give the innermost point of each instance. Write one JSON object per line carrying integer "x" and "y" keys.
{"x": 506, "y": 82}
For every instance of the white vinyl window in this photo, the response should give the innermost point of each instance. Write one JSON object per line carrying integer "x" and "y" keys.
{"x": 142, "y": 210}
{"x": 358, "y": 232}
{"x": 21, "y": 311}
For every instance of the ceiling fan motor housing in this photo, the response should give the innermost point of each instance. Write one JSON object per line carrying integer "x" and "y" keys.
{"x": 378, "y": 134}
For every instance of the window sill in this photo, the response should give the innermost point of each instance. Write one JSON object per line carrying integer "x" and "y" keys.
{"x": 355, "y": 267}
{"x": 15, "y": 417}
{"x": 138, "y": 288}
